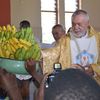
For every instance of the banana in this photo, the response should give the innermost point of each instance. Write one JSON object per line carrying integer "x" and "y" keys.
{"x": 0, "y": 28}
{"x": 9, "y": 48}
{"x": 11, "y": 56}
{"x": 14, "y": 30}
{"x": 4, "y": 39}
{"x": 22, "y": 33}
{"x": 29, "y": 52}
{"x": 20, "y": 53}
{"x": 36, "y": 54}
{"x": 9, "y": 28}
{"x": 4, "y": 46}
{"x": 13, "y": 43}
{"x": 31, "y": 39}
{"x": 4, "y": 28}
{"x": 7, "y": 53}
{"x": 17, "y": 53}
{"x": 26, "y": 36}
{"x": 5, "y": 49}
{"x": 1, "y": 53}
{"x": 33, "y": 52}
{"x": 29, "y": 30}
{"x": 25, "y": 42}
{"x": 19, "y": 45}
{"x": 13, "y": 49}
{"x": 18, "y": 34}
{"x": 2, "y": 36}
{"x": 23, "y": 51}
{"x": 7, "y": 35}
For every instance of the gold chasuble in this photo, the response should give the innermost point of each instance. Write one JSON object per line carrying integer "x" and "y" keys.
{"x": 61, "y": 53}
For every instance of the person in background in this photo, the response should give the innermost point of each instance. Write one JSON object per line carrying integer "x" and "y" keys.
{"x": 26, "y": 83}
{"x": 79, "y": 48}
{"x": 24, "y": 24}
{"x": 24, "y": 80}
{"x": 58, "y": 32}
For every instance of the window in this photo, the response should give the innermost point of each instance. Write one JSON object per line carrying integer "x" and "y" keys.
{"x": 48, "y": 19}
{"x": 70, "y": 7}
{"x": 49, "y": 16}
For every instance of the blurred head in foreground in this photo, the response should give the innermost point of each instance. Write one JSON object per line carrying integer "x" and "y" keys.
{"x": 72, "y": 84}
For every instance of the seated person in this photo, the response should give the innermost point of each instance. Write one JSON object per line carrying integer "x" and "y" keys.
{"x": 58, "y": 32}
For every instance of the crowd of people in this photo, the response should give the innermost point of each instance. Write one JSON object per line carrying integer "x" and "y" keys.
{"x": 78, "y": 53}
{"x": 78, "y": 49}
{"x": 69, "y": 84}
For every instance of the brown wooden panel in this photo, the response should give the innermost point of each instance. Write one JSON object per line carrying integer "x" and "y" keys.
{"x": 5, "y": 17}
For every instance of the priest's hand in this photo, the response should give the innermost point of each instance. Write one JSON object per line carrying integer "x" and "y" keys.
{"x": 87, "y": 69}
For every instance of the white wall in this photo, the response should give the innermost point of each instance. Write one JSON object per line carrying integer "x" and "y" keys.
{"x": 92, "y": 7}
{"x": 28, "y": 10}
{"x": 61, "y": 12}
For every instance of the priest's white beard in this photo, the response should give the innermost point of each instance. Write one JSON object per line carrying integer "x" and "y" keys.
{"x": 79, "y": 35}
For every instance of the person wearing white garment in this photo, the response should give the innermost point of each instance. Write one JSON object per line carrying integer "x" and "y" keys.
{"x": 80, "y": 48}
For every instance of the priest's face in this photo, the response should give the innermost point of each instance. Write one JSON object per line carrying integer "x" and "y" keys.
{"x": 80, "y": 25}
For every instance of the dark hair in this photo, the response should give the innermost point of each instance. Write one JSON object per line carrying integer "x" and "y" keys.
{"x": 58, "y": 26}
{"x": 24, "y": 24}
{"x": 72, "y": 84}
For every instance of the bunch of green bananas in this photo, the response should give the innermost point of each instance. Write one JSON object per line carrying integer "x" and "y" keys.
{"x": 19, "y": 45}
{"x": 33, "y": 51}
{"x": 26, "y": 34}
{"x": 30, "y": 48}
{"x": 6, "y": 32}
